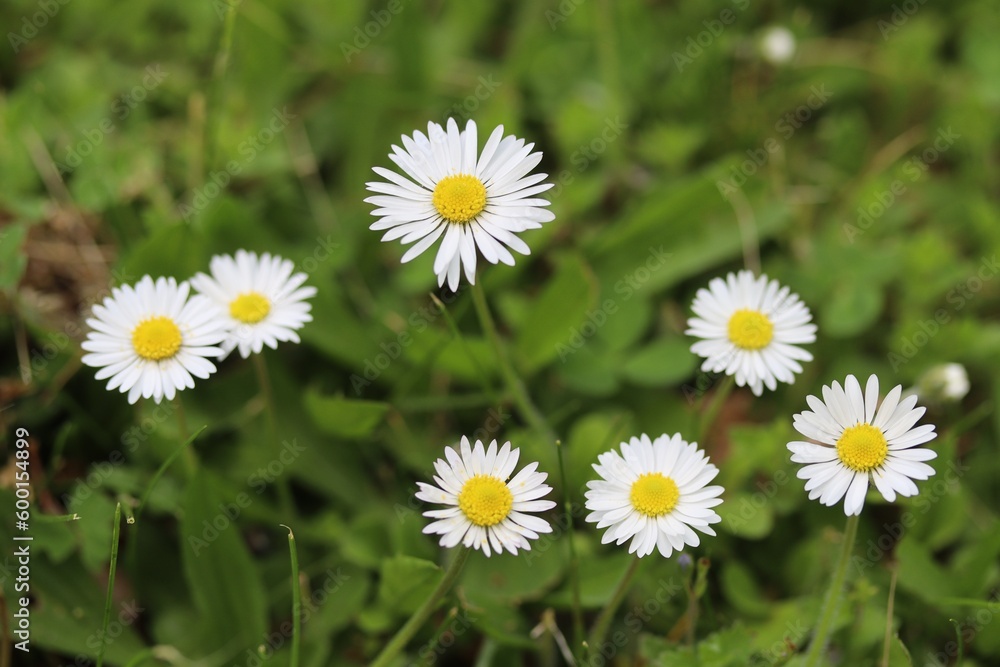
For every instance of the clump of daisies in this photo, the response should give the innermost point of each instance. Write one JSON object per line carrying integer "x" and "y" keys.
{"x": 752, "y": 329}
{"x": 855, "y": 445}
{"x": 466, "y": 198}
{"x": 654, "y": 493}
{"x": 262, "y": 302}
{"x": 152, "y": 340}
{"x": 486, "y": 509}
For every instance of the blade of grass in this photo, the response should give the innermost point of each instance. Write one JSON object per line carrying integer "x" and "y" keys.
{"x": 116, "y": 533}
{"x": 296, "y": 599}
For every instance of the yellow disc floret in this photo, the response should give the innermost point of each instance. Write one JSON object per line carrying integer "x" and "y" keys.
{"x": 485, "y": 500}
{"x": 654, "y": 494}
{"x": 862, "y": 447}
{"x": 250, "y": 307}
{"x": 750, "y": 329}
{"x": 156, "y": 338}
{"x": 459, "y": 198}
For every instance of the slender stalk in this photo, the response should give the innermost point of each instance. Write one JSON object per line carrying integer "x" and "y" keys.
{"x": 828, "y": 613}
{"x": 219, "y": 68}
{"x": 190, "y": 459}
{"x": 116, "y": 533}
{"x": 574, "y": 561}
{"x": 603, "y": 621}
{"x": 264, "y": 380}
{"x": 513, "y": 381}
{"x": 711, "y": 411}
{"x": 296, "y": 600}
{"x": 420, "y": 616}
{"x": 888, "y": 618}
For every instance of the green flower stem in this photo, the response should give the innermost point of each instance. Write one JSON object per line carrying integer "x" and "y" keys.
{"x": 215, "y": 92}
{"x": 711, "y": 411}
{"x": 513, "y": 381}
{"x": 828, "y": 613}
{"x": 115, "y": 535}
{"x": 296, "y": 599}
{"x": 190, "y": 458}
{"x": 574, "y": 561}
{"x": 264, "y": 380}
{"x": 420, "y": 616}
{"x": 603, "y": 621}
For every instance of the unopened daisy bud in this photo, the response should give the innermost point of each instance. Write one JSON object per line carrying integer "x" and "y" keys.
{"x": 854, "y": 445}
{"x": 751, "y": 328}
{"x": 654, "y": 493}
{"x": 943, "y": 383}
{"x": 261, "y": 301}
{"x": 777, "y": 45}
{"x": 486, "y": 508}
{"x": 151, "y": 340}
{"x": 466, "y": 198}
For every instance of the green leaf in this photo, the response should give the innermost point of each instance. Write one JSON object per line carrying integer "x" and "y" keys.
{"x": 512, "y": 579}
{"x": 344, "y": 417}
{"x": 407, "y": 582}
{"x": 554, "y": 318}
{"x": 899, "y": 655}
{"x": 12, "y": 260}
{"x": 741, "y": 590}
{"x": 851, "y": 310}
{"x": 227, "y": 590}
{"x": 661, "y": 364}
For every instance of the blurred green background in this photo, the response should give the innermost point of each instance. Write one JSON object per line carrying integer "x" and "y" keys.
{"x": 860, "y": 158}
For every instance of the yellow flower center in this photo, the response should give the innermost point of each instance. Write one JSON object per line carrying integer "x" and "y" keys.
{"x": 750, "y": 329}
{"x": 459, "y": 198}
{"x": 156, "y": 338}
{"x": 485, "y": 500}
{"x": 250, "y": 307}
{"x": 654, "y": 495}
{"x": 862, "y": 447}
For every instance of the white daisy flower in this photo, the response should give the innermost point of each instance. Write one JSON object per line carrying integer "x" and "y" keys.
{"x": 485, "y": 511}
{"x": 751, "y": 328}
{"x": 474, "y": 200}
{"x": 151, "y": 339}
{"x": 654, "y": 493}
{"x": 262, "y": 302}
{"x": 858, "y": 444}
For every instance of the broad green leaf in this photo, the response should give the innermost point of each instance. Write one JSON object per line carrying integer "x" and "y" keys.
{"x": 221, "y": 576}
{"x": 407, "y": 582}
{"x": 661, "y": 364}
{"x": 344, "y": 417}
{"x": 558, "y": 314}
